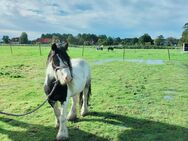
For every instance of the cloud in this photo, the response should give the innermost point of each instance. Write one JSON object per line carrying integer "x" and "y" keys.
{"x": 124, "y": 18}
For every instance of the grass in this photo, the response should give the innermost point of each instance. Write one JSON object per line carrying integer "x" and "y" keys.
{"x": 130, "y": 101}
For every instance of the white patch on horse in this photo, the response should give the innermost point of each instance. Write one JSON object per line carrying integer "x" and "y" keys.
{"x": 49, "y": 73}
{"x": 81, "y": 73}
{"x": 73, "y": 113}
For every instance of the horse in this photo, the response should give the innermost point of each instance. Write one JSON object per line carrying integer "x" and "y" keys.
{"x": 72, "y": 78}
{"x": 110, "y": 48}
{"x": 99, "y": 48}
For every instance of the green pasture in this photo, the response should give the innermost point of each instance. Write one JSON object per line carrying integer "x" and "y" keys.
{"x": 89, "y": 52}
{"x": 131, "y": 101}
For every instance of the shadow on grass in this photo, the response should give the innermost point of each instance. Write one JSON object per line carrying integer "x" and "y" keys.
{"x": 135, "y": 130}
{"x": 34, "y": 132}
{"x": 140, "y": 129}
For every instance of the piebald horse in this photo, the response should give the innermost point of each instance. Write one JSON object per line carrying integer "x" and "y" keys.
{"x": 72, "y": 78}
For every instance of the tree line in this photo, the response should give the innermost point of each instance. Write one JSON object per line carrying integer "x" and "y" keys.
{"x": 93, "y": 39}
{"x": 23, "y": 39}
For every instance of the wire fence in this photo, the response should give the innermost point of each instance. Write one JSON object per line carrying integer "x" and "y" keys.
{"x": 88, "y": 51}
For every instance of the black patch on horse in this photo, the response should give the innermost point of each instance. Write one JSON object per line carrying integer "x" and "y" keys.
{"x": 110, "y": 48}
{"x": 59, "y": 94}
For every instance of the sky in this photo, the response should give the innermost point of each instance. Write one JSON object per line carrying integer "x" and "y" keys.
{"x": 115, "y": 18}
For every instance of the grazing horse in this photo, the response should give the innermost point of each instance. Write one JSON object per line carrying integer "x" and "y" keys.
{"x": 110, "y": 48}
{"x": 99, "y": 48}
{"x": 72, "y": 78}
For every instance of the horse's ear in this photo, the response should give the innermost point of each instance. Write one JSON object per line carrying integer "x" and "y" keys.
{"x": 54, "y": 47}
{"x": 66, "y": 45}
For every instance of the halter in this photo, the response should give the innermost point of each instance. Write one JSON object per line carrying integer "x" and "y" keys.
{"x": 56, "y": 68}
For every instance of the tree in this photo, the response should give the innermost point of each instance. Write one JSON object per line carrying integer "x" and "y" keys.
{"x": 102, "y": 40}
{"x": 70, "y": 39}
{"x": 6, "y": 39}
{"x": 109, "y": 41}
{"x": 134, "y": 41}
{"x": 185, "y": 26}
{"x": 55, "y": 39}
{"x": 46, "y": 35}
{"x": 171, "y": 41}
{"x": 127, "y": 41}
{"x": 184, "y": 37}
{"x": 146, "y": 38}
{"x": 117, "y": 41}
{"x": 94, "y": 38}
{"x": 80, "y": 39}
{"x": 159, "y": 41}
{"x": 23, "y": 38}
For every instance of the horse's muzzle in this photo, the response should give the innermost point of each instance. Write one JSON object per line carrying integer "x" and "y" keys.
{"x": 68, "y": 79}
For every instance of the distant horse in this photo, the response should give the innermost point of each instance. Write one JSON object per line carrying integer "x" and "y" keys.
{"x": 99, "y": 48}
{"x": 110, "y": 48}
{"x": 72, "y": 78}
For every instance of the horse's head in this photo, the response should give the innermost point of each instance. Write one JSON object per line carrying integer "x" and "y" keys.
{"x": 61, "y": 63}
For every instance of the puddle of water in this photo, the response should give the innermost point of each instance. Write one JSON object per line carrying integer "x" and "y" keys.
{"x": 155, "y": 62}
{"x": 135, "y": 60}
{"x": 169, "y": 94}
{"x": 168, "y": 97}
{"x": 150, "y": 61}
{"x": 100, "y": 62}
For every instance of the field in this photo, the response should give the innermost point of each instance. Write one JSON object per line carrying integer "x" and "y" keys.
{"x": 143, "y": 98}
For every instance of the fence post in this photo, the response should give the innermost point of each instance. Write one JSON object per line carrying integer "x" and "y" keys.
{"x": 83, "y": 51}
{"x": 11, "y": 49}
{"x": 40, "y": 49}
{"x": 123, "y": 53}
{"x": 168, "y": 54}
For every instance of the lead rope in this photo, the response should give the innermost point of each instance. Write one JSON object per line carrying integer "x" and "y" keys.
{"x": 32, "y": 111}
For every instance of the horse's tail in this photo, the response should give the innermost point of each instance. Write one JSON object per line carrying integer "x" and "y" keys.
{"x": 81, "y": 99}
{"x": 88, "y": 86}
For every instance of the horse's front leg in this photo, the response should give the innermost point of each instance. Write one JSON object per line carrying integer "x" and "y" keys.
{"x": 57, "y": 114}
{"x": 63, "y": 131}
{"x": 72, "y": 114}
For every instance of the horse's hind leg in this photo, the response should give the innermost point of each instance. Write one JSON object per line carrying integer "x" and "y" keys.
{"x": 85, "y": 98}
{"x": 72, "y": 114}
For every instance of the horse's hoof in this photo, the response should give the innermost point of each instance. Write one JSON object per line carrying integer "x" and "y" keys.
{"x": 72, "y": 117}
{"x": 63, "y": 139}
{"x": 84, "y": 112}
{"x": 57, "y": 126}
